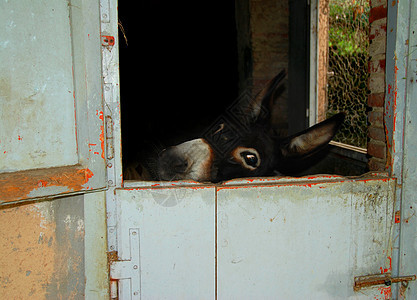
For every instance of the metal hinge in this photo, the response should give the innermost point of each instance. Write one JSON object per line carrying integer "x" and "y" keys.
{"x": 125, "y": 274}
{"x": 109, "y": 137}
{"x": 380, "y": 279}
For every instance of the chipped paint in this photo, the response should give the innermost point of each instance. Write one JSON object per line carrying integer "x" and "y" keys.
{"x": 28, "y": 247}
{"x": 385, "y": 293}
{"x": 42, "y": 246}
{"x": 311, "y": 181}
{"x": 101, "y": 117}
{"x": 37, "y": 183}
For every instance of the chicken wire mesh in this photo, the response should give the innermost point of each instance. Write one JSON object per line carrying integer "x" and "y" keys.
{"x": 348, "y": 68}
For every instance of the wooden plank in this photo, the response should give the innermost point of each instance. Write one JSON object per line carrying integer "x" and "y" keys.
{"x": 39, "y": 183}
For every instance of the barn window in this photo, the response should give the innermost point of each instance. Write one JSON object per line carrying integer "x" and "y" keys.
{"x": 355, "y": 42}
{"x": 341, "y": 71}
{"x": 347, "y": 86}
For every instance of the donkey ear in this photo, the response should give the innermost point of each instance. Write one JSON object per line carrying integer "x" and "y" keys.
{"x": 261, "y": 105}
{"x": 312, "y": 139}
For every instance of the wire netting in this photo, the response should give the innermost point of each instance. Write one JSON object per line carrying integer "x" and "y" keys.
{"x": 348, "y": 68}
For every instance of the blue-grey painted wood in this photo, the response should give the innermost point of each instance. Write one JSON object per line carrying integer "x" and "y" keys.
{"x": 36, "y": 86}
{"x": 289, "y": 238}
{"x": 303, "y": 240}
{"x": 176, "y": 229}
{"x": 401, "y": 126}
{"x": 52, "y": 125}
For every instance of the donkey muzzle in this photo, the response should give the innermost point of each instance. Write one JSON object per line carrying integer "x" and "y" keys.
{"x": 190, "y": 160}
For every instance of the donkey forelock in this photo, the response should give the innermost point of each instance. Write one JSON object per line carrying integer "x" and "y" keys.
{"x": 242, "y": 143}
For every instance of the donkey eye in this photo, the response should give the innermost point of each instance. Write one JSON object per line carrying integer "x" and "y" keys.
{"x": 250, "y": 158}
{"x": 247, "y": 157}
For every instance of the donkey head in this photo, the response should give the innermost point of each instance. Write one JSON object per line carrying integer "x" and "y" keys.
{"x": 242, "y": 143}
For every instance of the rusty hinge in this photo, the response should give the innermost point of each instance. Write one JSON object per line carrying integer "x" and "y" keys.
{"x": 380, "y": 279}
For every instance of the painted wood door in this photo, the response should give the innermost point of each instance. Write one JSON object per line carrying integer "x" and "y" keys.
{"x": 277, "y": 238}
{"x": 304, "y": 239}
{"x": 52, "y": 137}
{"x": 166, "y": 243}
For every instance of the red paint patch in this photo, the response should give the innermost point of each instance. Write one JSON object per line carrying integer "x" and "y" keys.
{"x": 89, "y": 147}
{"x": 385, "y": 293}
{"x": 397, "y": 217}
{"x": 107, "y": 40}
{"x": 42, "y": 183}
{"x": 87, "y": 174}
{"x": 102, "y": 141}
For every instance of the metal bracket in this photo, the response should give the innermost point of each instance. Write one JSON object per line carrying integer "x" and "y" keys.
{"x": 109, "y": 137}
{"x": 380, "y": 279}
{"x": 108, "y": 112}
{"x": 122, "y": 270}
{"x": 105, "y": 11}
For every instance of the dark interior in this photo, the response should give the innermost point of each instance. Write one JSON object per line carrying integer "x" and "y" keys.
{"x": 178, "y": 71}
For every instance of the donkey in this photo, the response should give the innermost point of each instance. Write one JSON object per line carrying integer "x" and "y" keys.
{"x": 242, "y": 143}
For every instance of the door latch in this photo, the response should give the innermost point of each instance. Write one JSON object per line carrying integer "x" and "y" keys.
{"x": 380, "y": 279}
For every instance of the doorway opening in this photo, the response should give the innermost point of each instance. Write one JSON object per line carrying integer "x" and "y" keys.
{"x": 183, "y": 65}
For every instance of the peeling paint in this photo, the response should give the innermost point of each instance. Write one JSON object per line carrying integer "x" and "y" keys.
{"x": 322, "y": 182}
{"x": 28, "y": 245}
{"x": 385, "y": 293}
{"x": 101, "y": 117}
{"x": 68, "y": 278}
{"x": 37, "y": 183}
